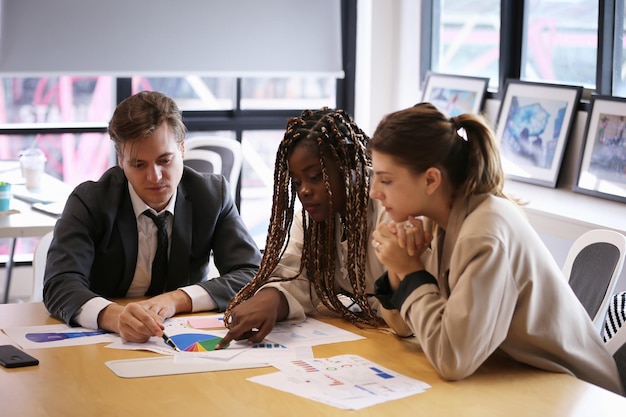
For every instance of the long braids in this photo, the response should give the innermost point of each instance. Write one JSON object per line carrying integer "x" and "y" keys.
{"x": 336, "y": 136}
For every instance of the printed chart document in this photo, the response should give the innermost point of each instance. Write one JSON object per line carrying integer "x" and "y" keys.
{"x": 57, "y": 335}
{"x": 197, "y": 336}
{"x": 201, "y": 339}
{"x": 310, "y": 332}
{"x": 197, "y": 346}
{"x": 345, "y": 381}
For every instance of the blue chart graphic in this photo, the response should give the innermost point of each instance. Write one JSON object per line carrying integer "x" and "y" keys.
{"x": 54, "y": 337}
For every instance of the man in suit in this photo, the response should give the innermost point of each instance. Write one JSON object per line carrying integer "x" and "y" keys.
{"x": 105, "y": 241}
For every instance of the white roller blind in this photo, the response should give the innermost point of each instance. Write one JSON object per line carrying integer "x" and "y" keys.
{"x": 166, "y": 37}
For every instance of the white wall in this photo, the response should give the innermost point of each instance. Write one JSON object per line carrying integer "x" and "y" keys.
{"x": 387, "y": 64}
{"x": 387, "y": 79}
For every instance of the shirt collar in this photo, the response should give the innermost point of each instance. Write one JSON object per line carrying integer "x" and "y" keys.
{"x": 139, "y": 206}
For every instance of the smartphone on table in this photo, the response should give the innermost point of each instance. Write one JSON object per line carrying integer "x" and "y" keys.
{"x": 13, "y": 357}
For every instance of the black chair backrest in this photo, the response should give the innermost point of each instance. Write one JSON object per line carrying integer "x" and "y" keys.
{"x": 597, "y": 260}
{"x": 200, "y": 165}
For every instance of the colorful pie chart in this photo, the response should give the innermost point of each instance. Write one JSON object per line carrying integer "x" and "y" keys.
{"x": 196, "y": 342}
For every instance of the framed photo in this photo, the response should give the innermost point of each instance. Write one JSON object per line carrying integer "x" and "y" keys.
{"x": 602, "y": 167}
{"x": 533, "y": 127}
{"x": 455, "y": 94}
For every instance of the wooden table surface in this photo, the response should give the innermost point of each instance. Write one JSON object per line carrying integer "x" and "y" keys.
{"x": 74, "y": 381}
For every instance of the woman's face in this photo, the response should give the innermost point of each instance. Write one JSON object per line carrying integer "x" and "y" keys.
{"x": 307, "y": 178}
{"x": 397, "y": 188}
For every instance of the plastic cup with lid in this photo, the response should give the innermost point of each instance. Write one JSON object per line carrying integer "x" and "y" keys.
{"x": 33, "y": 162}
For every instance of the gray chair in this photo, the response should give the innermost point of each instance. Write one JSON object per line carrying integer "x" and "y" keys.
{"x": 217, "y": 155}
{"x": 593, "y": 265}
{"x": 39, "y": 266}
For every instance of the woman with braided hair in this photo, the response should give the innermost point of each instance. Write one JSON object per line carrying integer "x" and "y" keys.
{"x": 318, "y": 255}
{"x": 481, "y": 282}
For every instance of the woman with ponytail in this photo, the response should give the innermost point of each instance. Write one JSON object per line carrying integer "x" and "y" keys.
{"x": 465, "y": 269}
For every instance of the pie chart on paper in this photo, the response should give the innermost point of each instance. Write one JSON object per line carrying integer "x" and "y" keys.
{"x": 196, "y": 342}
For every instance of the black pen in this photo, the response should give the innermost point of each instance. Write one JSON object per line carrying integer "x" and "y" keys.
{"x": 170, "y": 342}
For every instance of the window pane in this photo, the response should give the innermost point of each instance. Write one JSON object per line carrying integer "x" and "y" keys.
{"x": 619, "y": 86}
{"x": 288, "y": 93}
{"x": 191, "y": 92}
{"x": 561, "y": 42}
{"x": 223, "y": 134}
{"x": 72, "y": 158}
{"x": 466, "y": 39}
{"x": 54, "y": 100}
{"x": 257, "y": 182}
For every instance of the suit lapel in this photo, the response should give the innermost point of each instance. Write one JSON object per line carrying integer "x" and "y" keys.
{"x": 180, "y": 246}
{"x": 127, "y": 230}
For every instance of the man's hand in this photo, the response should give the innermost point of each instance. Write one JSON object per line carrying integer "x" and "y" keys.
{"x": 133, "y": 322}
{"x": 168, "y": 304}
{"x": 255, "y": 318}
{"x": 138, "y": 321}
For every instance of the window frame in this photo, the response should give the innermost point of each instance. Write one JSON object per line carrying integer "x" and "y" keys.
{"x": 235, "y": 120}
{"x": 610, "y": 26}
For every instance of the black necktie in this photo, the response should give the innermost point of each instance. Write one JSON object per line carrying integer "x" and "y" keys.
{"x": 159, "y": 264}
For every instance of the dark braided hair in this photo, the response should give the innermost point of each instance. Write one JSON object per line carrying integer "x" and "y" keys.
{"x": 335, "y": 135}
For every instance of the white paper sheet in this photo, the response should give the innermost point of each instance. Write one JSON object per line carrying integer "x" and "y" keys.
{"x": 56, "y": 335}
{"x": 345, "y": 381}
{"x": 310, "y": 332}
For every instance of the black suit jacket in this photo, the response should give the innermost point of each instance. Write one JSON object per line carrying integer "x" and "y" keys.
{"x": 94, "y": 249}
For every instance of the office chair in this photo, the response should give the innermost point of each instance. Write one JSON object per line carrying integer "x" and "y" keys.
{"x": 617, "y": 348}
{"x": 203, "y": 161}
{"x": 39, "y": 266}
{"x": 592, "y": 267}
{"x": 216, "y": 155}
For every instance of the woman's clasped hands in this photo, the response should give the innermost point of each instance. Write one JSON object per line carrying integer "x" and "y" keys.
{"x": 400, "y": 245}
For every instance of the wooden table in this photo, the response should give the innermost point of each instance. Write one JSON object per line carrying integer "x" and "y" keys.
{"x": 74, "y": 381}
{"x": 27, "y": 222}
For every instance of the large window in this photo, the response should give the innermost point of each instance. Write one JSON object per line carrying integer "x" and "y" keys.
{"x": 66, "y": 116}
{"x": 619, "y": 39}
{"x": 560, "y": 42}
{"x": 564, "y": 42}
{"x": 466, "y": 38}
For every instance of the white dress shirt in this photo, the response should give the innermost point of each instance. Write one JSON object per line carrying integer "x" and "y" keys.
{"x": 147, "y": 243}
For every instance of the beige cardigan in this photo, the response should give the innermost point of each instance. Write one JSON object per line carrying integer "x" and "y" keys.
{"x": 499, "y": 289}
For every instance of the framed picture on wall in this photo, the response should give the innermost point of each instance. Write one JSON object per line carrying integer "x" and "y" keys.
{"x": 602, "y": 167}
{"x": 455, "y": 94}
{"x": 533, "y": 127}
